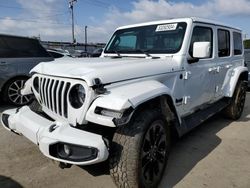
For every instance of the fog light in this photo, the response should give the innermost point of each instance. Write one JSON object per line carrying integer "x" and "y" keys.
{"x": 72, "y": 152}
{"x": 67, "y": 150}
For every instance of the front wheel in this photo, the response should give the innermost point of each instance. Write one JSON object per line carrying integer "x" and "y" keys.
{"x": 140, "y": 151}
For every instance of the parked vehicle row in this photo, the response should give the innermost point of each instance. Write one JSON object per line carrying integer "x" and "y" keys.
{"x": 59, "y": 53}
{"x": 81, "y": 53}
{"x": 18, "y": 55}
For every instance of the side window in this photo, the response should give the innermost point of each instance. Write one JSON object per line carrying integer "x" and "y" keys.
{"x": 237, "y": 43}
{"x": 126, "y": 42}
{"x": 4, "y": 49}
{"x": 223, "y": 43}
{"x": 201, "y": 34}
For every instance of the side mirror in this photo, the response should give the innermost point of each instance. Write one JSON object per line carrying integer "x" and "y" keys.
{"x": 201, "y": 50}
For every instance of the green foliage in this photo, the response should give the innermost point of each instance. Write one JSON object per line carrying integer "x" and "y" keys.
{"x": 247, "y": 44}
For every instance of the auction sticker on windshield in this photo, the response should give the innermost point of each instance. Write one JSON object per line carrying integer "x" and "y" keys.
{"x": 166, "y": 27}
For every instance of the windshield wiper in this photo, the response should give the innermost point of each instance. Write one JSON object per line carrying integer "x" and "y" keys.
{"x": 117, "y": 52}
{"x": 146, "y": 52}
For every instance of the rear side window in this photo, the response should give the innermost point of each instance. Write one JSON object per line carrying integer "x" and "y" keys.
{"x": 237, "y": 43}
{"x": 15, "y": 47}
{"x": 201, "y": 34}
{"x": 223, "y": 43}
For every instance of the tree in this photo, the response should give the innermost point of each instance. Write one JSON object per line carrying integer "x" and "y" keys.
{"x": 247, "y": 44}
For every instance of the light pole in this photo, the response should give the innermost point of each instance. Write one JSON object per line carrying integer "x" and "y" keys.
{"x": 71, "y": 6}
{"x": 86, "y": 38}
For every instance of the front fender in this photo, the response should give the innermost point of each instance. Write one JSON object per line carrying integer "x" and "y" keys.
{"x": 123, "y": 97}
{"x": 233, "y": 78}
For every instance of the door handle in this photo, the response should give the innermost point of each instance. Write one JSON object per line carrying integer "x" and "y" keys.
{"x": 218, "y": 69}
{"x": 3, "y": 63}
{"x": 212, "y": 69}
{"x": 228, "y": 66}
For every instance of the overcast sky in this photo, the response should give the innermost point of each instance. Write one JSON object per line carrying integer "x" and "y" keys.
{"x": 51, "y": 18}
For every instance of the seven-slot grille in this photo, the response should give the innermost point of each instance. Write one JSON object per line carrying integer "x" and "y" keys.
{"x": 53, "y": 94}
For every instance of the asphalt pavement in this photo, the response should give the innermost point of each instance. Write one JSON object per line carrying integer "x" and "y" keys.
{"x": 216, "y": 154}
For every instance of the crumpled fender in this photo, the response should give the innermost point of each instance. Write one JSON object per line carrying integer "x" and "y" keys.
{"x": 27, "y": 87}
{"x": 123, "y": 97}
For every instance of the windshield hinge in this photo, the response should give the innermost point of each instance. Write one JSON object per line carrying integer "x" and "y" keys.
{"x": 98, "y": 86}
{"x": 185, "y": 99}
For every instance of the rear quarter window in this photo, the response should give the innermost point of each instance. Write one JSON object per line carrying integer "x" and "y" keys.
{"x": 238, "y": 47}
{"x": 223, "y": 43}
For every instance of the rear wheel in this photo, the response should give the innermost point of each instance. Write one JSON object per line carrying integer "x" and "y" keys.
{"x": 236, "y": 106}
{"x": 12, "y": 92}
{"x": 140, "y": 151}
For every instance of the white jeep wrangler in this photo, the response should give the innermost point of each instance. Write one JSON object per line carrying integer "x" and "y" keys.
{"x": 152, "y": 79}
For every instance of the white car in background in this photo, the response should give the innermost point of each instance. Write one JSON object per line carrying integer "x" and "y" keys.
{"x": 56, "y": 54}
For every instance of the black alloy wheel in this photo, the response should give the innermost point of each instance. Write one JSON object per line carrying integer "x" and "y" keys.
{"x": 154, "y": 153}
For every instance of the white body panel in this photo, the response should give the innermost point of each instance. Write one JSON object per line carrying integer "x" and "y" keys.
{"x": 107, "y": 69}
{"x": 119, "y": 100}
{"x": 231, "y": 80}
{"x": 125, "y": 83}
{"x": 36, "y": 129}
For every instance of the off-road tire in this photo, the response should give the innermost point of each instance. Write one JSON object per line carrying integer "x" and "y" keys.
{"x": 235, "y": 108}
{"x": 128, "y": 146}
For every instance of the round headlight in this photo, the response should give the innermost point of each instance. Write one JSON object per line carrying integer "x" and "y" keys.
{"x": 36, "y": 84}
{"x": 77, "y": 96}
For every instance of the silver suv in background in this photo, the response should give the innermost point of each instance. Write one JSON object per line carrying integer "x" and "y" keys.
{"x": 247, "y": 59}
{"x": 18, "y": 55}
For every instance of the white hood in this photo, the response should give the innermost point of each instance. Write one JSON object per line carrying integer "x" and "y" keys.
{"x": 108, "y": 70}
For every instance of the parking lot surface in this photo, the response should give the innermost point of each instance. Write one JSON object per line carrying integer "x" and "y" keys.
{"x": 216, "y": 154}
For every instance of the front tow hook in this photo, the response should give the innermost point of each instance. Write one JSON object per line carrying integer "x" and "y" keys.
{"x": 64, "y": 165}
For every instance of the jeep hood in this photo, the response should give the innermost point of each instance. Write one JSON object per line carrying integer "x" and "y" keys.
{"x": 108, "y": 70}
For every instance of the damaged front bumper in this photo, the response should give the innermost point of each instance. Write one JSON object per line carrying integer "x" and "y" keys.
{"x": 56, "y": 140}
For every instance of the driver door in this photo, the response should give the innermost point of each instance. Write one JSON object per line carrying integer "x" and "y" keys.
{"x": 199, "y": 78}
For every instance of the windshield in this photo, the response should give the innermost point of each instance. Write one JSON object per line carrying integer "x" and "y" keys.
{"x": 155, "y": 39}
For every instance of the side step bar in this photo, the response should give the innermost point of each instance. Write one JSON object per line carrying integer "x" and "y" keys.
{"x": 191, "y": 121}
